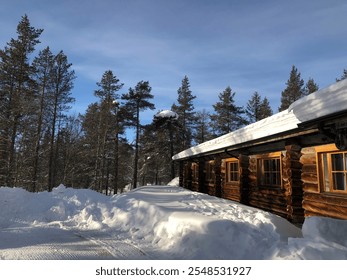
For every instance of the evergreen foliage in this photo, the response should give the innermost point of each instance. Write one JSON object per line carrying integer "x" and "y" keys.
{"x": 43, "y": 145}
{"x": 108, "y": 128}
{"x": 310, "y": 87}
{"x": 202, "y": 129}
{"x": 15, "y": 94}
{"x": 228, "y": 116}
{"x": 167, "y": 123}
{"x": 186, "y": 114}
{"x": 137, "y": 100}
{"x": 293, "y": 91}
{"x": 258, "y": 109}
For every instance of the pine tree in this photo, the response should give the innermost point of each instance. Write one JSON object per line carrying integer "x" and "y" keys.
{"x": 293, "y": 91}
{"x": 62, "y": 84}
{"x": 310, "y": 87}
{"x": 228, "y": 117}
{"x": 137, "y": 100}
{"x": 167, "y": 121}
{"x": 43, "y": 66}
{"x": 257, "y": 109}
{"x": 202, "y": 129}
{"x": 107, "y": 92}
{"x": 15, "y": 93}
{"x": 90, "y": 145}
{"x": 186, "y": 114}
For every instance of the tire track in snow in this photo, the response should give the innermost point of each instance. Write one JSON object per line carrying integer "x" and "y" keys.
{"x": 118, "y": 249}
{"x": 51, "y": 243}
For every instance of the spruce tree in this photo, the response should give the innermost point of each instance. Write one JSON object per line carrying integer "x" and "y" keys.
{"x": 257, "y": 109}
{"x": 293, "y": 91}
{"x": 137, "y": 100}
{"x": 186, "y": 114}
{"x": 310, "y": 87}
{"x": 265, "y": 109}
{"x": 253, "y": 108}
{"x": 228, "y": 117}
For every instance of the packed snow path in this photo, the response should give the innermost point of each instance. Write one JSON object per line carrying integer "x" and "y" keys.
{"x": 47, "y": 243}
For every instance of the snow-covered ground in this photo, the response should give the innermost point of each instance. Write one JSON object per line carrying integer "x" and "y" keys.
{"x": 155, "y": 222}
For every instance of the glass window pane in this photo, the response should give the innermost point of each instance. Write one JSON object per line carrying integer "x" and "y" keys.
{"x": 274, "y": 179}
{"x": 234, "y": 166}
{"x": 339, "y": 181}
{"x": 232, "y": 171}
{"x": 337, "y": 162}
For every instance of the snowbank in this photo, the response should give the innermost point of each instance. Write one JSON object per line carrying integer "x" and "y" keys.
{"x": 169, "y": 222}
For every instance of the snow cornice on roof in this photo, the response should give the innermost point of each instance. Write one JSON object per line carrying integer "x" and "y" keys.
{"x": 324, "y": 102}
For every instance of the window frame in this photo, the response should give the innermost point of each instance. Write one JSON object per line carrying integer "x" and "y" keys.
{"x": 261, "y": 171}
{"x": 227, "y": 171}
{"x": 325, "y": 169}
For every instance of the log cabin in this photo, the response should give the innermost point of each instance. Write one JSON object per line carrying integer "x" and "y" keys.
{"x": 293, "y": 163}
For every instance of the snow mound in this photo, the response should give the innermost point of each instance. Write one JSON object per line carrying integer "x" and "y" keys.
{"x": 167, "y": 222}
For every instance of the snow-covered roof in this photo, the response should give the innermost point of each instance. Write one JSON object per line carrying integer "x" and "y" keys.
{"x": 324, "y": 102}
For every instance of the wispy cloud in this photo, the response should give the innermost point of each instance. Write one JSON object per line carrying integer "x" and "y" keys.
{"x": 249, "y": 45}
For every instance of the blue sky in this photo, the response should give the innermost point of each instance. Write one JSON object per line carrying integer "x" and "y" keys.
{"x": 248, "y": 45}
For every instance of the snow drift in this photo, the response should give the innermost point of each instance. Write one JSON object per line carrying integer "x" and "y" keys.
{"x": 168, "y": 222}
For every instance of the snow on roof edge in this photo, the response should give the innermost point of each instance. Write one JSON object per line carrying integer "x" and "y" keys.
{"x": 315, "y": 105}
{"x": 277, "y": 123}
{"x": 324, "y": 102}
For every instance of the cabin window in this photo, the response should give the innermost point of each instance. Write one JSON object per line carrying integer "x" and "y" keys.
{"x": 232, "y": 171}
{"x": 333, "y": 167}
{"x": 210, "y": 174}
{"x": 269, "y": 171}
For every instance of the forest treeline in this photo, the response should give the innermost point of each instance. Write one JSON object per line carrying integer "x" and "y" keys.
{"x": 43, "y": 145}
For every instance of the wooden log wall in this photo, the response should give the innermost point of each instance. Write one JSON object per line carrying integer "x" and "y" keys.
{"x": 195, "y": 180}
{"x": 244, "y": 178}
{"x": 202, "y": 177}
{"x": 316, "y": 202}
{"x": 218, "y": 176}
{"x": 299, "y": 196}
{"x": 230, "y": 190}
{"x": 187, "y": 175}
{"x": 292, "y": 184}
{"x": 272, "y": 199}
{"x": 237, "y": 191}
